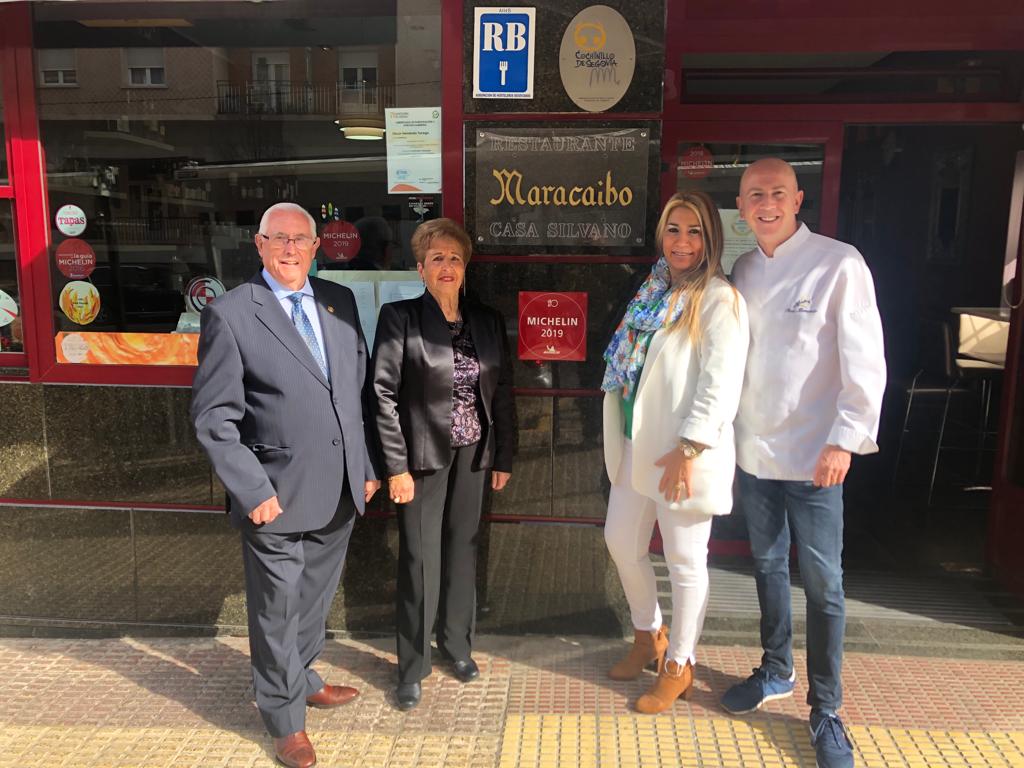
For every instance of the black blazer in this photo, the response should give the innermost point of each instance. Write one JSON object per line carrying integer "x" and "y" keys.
{"x": 413, "y": 379}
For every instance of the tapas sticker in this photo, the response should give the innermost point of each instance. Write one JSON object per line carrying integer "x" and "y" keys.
{"x": 75, "y": 348}
{"x": 71, "y": 220}
{"x": 80, "y": 302}
{"x": 75, "y": 259}
{"x": 201, "y": 291}
{"x": 8, "y": 309}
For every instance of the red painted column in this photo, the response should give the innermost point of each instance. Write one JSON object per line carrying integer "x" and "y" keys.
{"x": 452, "y": 163}
{"x": 28, "y": 176}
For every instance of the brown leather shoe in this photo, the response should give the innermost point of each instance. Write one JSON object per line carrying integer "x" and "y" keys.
{"x": 295, "y": 750}
{"x": 331, "y": 696}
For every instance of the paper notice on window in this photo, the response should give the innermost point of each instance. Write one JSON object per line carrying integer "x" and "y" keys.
{"x": 414, "y": 150}
{"x": 397, "y": 290}
{"x": 366, "y": 306}
{"x": 365, "y": 294}
{"x": 737, "y": 235}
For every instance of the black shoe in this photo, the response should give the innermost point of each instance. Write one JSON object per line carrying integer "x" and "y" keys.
{"x": 466, "y": 670}
{"x": 408, "y": 695}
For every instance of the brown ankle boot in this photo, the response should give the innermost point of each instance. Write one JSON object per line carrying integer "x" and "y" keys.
{"x": 647, "y": 647}
{"x": 674, "y": 681}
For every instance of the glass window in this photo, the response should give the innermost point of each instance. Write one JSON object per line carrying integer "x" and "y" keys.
{"x": 162, "y": 189}
{"x": 716, "y": 168}
{"x": 3, "y": 136}
{"x": 57, "y": 67}
{"x": 852, "y": 76}
{"x": 145, "y": 66}
{"x": 11, "y": 333}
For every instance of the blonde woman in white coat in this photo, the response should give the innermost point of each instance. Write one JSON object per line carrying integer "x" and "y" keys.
{"x": 672, "y": 383}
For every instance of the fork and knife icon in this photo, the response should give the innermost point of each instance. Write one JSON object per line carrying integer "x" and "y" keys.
{"x": 503, "y": 68}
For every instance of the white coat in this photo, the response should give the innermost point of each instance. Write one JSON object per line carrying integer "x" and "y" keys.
{"x": 690, "y": 391}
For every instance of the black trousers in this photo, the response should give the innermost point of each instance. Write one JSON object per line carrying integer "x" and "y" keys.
{"x": 290, "y": 581}
{"x": 437, "y": 536}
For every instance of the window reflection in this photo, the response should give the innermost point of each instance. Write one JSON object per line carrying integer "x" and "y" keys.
{"x": 716, "y": 168}
{"x": 3, "y": 137}
{"x": 171, "y": 136}
{"x": 11, "y": 332}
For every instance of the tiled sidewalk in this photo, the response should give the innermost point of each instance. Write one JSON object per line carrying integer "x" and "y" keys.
{"x": 540, "y": 702}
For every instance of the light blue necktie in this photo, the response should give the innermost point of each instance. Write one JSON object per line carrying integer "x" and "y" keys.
{"x": 305, "y": 329}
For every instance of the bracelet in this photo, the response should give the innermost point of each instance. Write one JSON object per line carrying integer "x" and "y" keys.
{"x": 689, "y": 449}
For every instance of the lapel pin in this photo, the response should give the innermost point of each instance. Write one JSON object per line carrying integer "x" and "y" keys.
{"x": 330, "y": 309}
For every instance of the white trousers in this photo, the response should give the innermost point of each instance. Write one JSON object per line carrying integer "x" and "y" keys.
{"x": 627, "y": 532}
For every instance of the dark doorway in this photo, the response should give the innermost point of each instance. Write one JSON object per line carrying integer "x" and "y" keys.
{"x": 928, "y": 207}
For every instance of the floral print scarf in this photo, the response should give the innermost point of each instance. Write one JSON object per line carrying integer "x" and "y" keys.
{"x": 646, "y": 314}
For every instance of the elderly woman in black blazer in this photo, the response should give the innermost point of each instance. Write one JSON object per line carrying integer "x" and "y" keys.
{"x": 443, "y": 380}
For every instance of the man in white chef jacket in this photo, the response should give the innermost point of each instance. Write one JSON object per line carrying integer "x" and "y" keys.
{"x": 811, "y": 397}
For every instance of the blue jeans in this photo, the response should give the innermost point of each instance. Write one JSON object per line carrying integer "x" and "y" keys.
{"x": 778, "y": 512}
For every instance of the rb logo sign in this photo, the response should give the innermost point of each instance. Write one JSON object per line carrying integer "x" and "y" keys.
{"x": 503, "y": 53}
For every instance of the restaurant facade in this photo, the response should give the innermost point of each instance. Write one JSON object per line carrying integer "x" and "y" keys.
{"x": 144, "y": 140}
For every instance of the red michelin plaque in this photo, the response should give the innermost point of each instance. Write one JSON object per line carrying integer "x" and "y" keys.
{"x": 552, "y": 326}
{"x": 339, "y": 241}
{"x": 696, "y": 162}
{"x": 75, "y": 258}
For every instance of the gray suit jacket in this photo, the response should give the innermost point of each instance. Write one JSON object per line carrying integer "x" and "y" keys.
{"x": 269, "y": 421}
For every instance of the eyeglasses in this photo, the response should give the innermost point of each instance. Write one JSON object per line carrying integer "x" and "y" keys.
{"x": 280, "y": 241}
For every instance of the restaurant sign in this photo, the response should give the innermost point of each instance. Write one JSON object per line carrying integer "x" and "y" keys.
{"x": 561, "y": 186}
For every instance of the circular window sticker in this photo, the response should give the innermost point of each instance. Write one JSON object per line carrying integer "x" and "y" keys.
{"x": 71, "y": 220}
{"x": 75, "y": 348}
{"x": 696, "y": 162}
{"x": 201, "y": 291}
{"x": 75, "y": 258}
{"x": 340, "y": 241}
{"x": 8, "y": 309}
{"x": 80, "y": 302}
{"x": 597, "y": 58}
{"x": 740, "y": 227}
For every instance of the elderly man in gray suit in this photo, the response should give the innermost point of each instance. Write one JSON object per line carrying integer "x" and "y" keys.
{"x": 279, "y": 404}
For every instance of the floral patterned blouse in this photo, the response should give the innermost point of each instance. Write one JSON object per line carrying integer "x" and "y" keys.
{"x": 465, "y": 403}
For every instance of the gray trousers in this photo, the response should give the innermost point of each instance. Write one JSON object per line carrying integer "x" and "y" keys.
{"x": 290, "y": 581}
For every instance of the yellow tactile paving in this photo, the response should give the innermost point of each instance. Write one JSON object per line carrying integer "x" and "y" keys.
{"x": 104, "y": 747}
{"x": 589, "y": 741}
{"x": 528, "y": 741}
{"x": 540, "y": 702}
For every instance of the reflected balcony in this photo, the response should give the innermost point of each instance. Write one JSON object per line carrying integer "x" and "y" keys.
{"x": 289, "y": 97}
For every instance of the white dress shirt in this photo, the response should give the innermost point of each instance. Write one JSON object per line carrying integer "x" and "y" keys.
{"x": 816, "y": 367}
{"x": 308, "y": 306}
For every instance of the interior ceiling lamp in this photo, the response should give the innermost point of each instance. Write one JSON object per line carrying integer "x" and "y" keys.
{"x": 360, "y": 130}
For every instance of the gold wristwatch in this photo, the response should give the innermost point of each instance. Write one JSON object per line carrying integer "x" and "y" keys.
{"x": 689, "y": 449}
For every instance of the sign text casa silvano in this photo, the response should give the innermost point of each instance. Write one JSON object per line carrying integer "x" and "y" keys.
{"x": 561, "y": 186}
